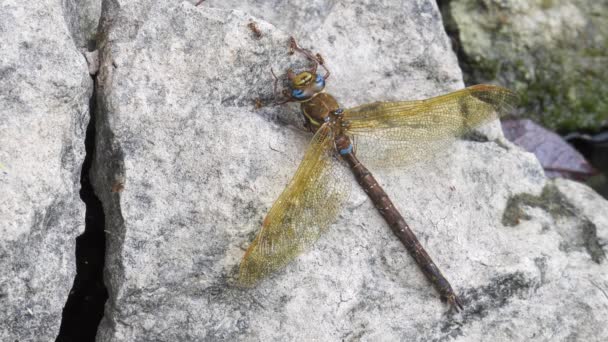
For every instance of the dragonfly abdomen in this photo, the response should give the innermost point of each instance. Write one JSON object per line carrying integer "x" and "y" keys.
{"x": 400, "y": 228}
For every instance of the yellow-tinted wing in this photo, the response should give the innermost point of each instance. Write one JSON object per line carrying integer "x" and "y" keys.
{"x": 403, "y": 133}
{"x": 310, "y": 203}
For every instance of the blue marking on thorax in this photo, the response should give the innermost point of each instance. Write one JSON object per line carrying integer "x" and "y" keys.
{"x": 347, "y": 150}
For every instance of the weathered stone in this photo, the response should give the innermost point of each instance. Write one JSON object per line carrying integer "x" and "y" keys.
{"x": 82, "y": 18}
{"x": 186, "y": 169}
{"x": 92, "y": 58}
{"x": 552, "y": 51}
{"x": 44, "y": 95}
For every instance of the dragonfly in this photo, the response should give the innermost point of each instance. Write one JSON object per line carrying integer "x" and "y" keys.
{"x": 385, "y": 134}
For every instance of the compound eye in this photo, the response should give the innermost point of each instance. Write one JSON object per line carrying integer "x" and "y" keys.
{"x": 298, "y": 94}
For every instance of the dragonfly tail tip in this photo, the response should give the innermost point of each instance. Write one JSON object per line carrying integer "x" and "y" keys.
{"x": 455, "y": 303}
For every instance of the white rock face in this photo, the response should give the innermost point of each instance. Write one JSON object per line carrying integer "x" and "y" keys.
{"x": 44, "y": 94}
{"x": 186, "y": 169}
{"x": 201, "y": 167}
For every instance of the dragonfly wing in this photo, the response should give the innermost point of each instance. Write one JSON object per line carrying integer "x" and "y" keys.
{"x": 404, "y": 133}
{"x": 308, "y": 205}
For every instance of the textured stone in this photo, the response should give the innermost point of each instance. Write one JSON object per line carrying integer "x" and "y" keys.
{"x": 552, "y": 51}
{"x": 186, "y": 169}
{"x": 82, "y": 18}
{"x": 44, "y": 95}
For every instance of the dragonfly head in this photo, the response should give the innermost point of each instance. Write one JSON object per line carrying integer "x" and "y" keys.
{"x": 305, "y": 85}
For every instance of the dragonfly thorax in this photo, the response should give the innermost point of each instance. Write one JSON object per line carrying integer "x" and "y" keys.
{"x": 318, "y": 108}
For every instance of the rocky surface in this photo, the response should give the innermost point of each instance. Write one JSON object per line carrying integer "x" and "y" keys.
{"x": 552, "y": 51}
{"x": 44, "y": 95}
{"x": 186, "y": 169}
{"x": 82, "y": 18}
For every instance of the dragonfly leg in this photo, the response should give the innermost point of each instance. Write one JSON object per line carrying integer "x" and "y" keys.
{"x": 322, "y": 63}
{"x": 286, "y": 97}
{"x": 276, "y": 82}
{"x": 316, "y": 59}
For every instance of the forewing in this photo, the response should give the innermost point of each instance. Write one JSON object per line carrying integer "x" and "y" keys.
{"x": 404, "y": 133}
{"x": 310, "y": 203}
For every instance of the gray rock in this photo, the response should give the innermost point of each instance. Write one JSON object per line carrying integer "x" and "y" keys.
{"x": 552, "y": 51}
{"x": 186, "y": 169}
{"x": 44, "y": 92}
{"x": 92, "y": 58}
{"x": 82, "y": 18}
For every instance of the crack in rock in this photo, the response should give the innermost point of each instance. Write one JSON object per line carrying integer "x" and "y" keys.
{"x": 84, "y": 308}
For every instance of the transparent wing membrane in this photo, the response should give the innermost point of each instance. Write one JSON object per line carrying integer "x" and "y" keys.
{"x": 310, "y": 203}
{"x": 403, "y": 133}
{"x": 384, "y": 134}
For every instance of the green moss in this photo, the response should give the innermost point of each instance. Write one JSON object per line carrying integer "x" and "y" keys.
{"x": 546, "y": 4}
{"x": 556, "y": 98}
{"x": 594, "y": 52}
{"x": 561, "y": 76}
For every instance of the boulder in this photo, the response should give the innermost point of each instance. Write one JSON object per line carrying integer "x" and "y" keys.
{"x": 44, "y": 91}
{"x": 186, "y": 167}
{"x": 552, "y": 51}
